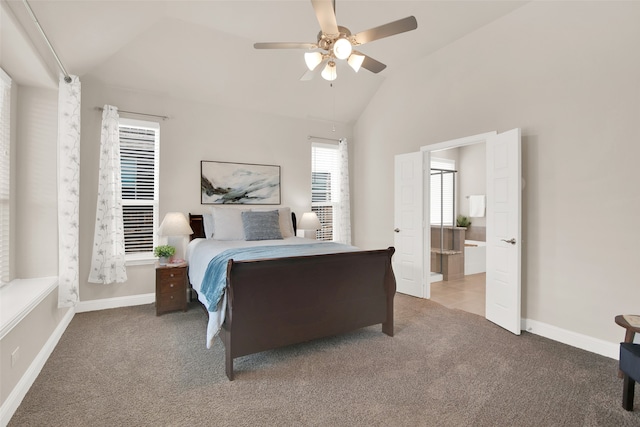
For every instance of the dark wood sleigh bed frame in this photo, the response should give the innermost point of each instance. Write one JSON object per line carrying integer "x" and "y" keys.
{"x": 273, "y": 303}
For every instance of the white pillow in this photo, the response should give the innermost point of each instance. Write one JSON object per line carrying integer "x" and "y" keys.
{"x": 207, "y": 220}
{"x": 286, "y": 226}
{"x": 227, "y": 223}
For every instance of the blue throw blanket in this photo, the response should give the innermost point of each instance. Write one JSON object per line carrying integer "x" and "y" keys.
{"x": 215, "y": 277}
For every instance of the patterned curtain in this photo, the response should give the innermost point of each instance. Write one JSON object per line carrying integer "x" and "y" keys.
{"x": 107, "y": 262}
{"x": 68, "y": 190}
{"x": 342, "y": 221}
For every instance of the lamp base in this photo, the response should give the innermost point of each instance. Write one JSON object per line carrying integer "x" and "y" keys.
{"x": 307, "y": 234}
{"x": 178, "y": 243}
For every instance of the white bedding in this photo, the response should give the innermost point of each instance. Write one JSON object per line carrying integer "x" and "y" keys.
{"x": 199, "y": 258}
{"x": 199, "y": 254}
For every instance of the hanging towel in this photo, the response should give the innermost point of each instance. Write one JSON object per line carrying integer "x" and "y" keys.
{"x": 476, "y": 206}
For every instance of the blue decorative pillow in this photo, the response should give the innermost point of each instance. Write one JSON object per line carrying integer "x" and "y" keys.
{"x": 261, "y": 225}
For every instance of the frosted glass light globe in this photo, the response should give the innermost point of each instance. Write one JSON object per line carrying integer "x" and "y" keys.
{"x": 342, "y": 48}
{"x": 329, "y": 72}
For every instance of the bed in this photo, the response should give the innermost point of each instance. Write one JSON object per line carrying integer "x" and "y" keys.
{"x": 270, "y": 301}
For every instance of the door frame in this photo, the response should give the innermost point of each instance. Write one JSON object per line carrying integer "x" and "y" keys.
{"x": 427, "y": 149}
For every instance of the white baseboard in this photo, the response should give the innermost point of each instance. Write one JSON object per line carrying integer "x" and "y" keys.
{"x": 106, "y": 303}
{"x": 585, "y": 342}
{"x": 14, "y": 399}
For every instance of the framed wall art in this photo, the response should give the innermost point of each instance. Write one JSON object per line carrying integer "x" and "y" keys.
{"x": 239, "y": 183}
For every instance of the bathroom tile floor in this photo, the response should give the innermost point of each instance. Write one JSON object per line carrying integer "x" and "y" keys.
{"x": 466, "y": 294}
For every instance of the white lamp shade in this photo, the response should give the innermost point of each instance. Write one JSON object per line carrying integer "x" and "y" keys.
{"x": 309, "y": 221}
{"x": 175, "y": 224}
{"x": 312, "y": 59}
{"x": 342, "y": 48}
{"x": 329, "y": 72}
{"x": 355, "y": 61}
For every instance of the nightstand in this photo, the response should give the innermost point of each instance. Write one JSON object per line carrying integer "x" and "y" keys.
{"x": 171, "y": 288}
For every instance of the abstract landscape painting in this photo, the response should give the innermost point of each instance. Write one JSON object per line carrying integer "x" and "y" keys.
{"x": 239, "y": 183}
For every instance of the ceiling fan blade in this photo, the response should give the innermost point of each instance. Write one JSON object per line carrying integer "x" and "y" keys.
{"x": 392, "y": 28}
{"x": 372, "y": 65}
{"x": 326, "y": 15}
{"x": 285, "y": 45}
{"x": 308, "y": 75}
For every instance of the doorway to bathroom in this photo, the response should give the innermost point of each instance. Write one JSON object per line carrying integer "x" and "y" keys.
{"x": 458, "y": 227}
{"x": 412, "y": 238}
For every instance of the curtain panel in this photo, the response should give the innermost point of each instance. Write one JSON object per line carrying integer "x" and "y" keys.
{"x": 108, "y": 258}
{"x": 68, "y": 190}
{"x": 342, "y": 219}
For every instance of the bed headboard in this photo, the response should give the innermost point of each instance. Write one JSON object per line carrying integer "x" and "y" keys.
{"x": 197, "y": 225}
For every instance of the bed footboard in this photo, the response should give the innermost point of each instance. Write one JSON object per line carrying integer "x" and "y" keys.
{"x": 277, "y": 302}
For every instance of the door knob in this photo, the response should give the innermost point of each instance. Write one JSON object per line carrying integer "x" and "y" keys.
{"x": 397, "y": 230}
{"x": 511, "y": 240}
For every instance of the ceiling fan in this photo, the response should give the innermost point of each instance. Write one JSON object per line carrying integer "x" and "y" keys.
{"x": 337, "y": 43}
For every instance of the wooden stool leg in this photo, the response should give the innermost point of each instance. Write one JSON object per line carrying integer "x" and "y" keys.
{"x": 629, "y": 336}
{"x": 627, "y": 393}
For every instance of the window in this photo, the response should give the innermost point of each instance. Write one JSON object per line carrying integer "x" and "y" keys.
{"x": 442, "y": 191}
{"x": 139, "y": 146}
{"x": 5, "y": 175}
{"x": 324, "y": 186}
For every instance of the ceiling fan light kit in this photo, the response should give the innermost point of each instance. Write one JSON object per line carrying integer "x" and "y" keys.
{"x": 338, "y": 42}
{"x": 313, "y": 59}
{"x": 329, "y": 72}
{"x": 342, "y": 48}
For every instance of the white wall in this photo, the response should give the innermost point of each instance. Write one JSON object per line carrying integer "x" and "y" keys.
{"x": 194, "y": 132}
{"x": 472, "y": 173}
{"x": 568, "y": 74}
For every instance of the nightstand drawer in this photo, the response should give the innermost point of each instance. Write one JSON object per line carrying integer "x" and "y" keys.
{"x": 171, "y": 274}
{"x": 169, "y": 285}
{"x": 171, "y": 301}
{"x": 171, "y": 289}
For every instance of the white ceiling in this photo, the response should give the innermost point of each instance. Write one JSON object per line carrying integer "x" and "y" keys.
{"x": 203, "y": 50}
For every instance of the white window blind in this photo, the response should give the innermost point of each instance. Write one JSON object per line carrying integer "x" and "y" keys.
{"x": 442, "y": 191}
{"x": 324, "y": 186}
{"x": 139, "y": 147}
{"x": 5, "y": 175}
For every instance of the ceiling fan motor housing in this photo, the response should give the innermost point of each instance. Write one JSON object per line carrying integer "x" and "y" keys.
{"x": 326, "y": 41}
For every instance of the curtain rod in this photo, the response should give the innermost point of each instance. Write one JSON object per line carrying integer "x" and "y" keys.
{"x": 67, "y": 77}
{"x": 309, "y": 137}
{"x": 139, "y": 114}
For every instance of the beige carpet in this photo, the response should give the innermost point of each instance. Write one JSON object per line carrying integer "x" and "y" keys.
{"x": 127, "y": 367}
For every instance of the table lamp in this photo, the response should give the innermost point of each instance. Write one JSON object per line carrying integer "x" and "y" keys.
{"x": 175, "y": 227}
{"x": 309, "y": 223}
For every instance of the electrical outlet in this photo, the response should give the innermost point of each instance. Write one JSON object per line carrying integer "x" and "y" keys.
{"x": 14, "y": 356}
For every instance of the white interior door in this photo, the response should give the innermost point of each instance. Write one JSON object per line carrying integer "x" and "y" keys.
{"x": 504, "y": 239}
{"x": 408, "y": 261}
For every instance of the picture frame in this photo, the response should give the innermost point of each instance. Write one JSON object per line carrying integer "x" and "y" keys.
{"x": 239, "y": 183}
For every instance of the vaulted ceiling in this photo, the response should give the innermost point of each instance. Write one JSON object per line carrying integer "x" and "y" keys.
{"x": 203, "y": 50}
